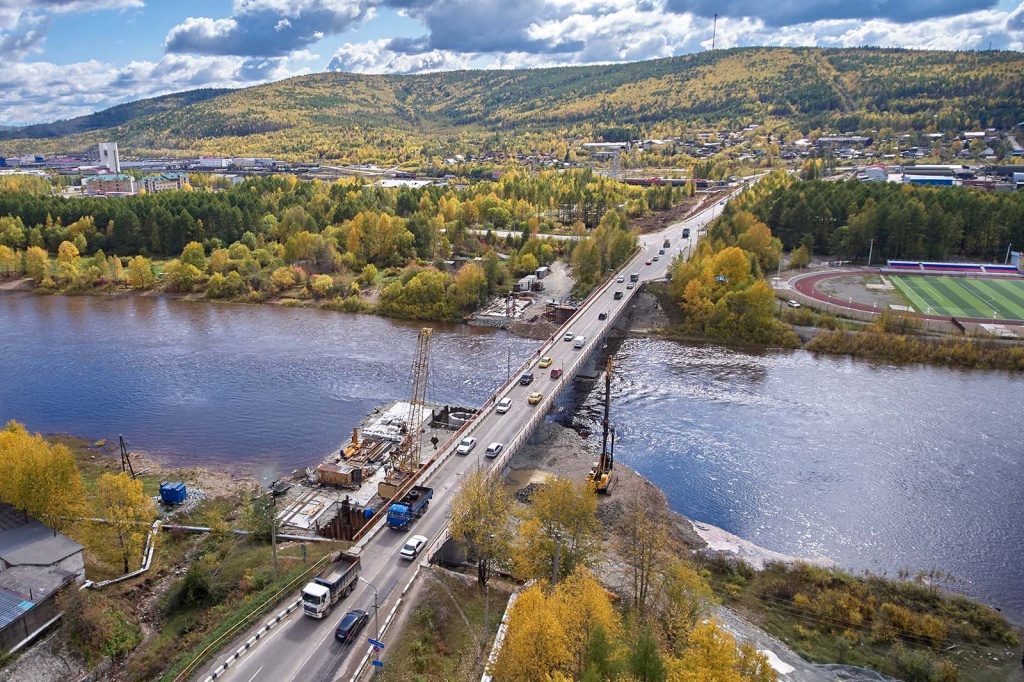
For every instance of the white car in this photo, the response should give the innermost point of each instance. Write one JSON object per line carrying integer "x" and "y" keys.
{"x": 465, "y": 445}
{"x": 569, "y": 336}
{"x": 413, "y": 547}
{"x": 494, "y": 449}
{"x": 504, "y": 405}
{"x": 793, "y": 304}
{"x": 620, "y": 279}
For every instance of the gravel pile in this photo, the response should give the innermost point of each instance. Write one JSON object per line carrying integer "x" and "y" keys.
{"x": 525, "y": 494}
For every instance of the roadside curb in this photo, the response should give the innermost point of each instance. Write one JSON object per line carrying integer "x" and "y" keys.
{"x": 249, "y": 643}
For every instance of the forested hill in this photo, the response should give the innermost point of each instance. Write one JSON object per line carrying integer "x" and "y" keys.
{"x": 350, "y": 117}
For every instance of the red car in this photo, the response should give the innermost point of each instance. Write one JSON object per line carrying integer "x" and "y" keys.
{"x": 556, "y": 372}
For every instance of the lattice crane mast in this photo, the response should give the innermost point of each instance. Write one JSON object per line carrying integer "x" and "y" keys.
{"x": 406, "y": 459}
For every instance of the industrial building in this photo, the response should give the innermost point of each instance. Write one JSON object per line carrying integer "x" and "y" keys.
{"x": 109, "y": 157}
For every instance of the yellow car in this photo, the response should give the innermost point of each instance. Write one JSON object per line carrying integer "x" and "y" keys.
{"x": 536, "y": 397}
{"x": 545, "y": 362}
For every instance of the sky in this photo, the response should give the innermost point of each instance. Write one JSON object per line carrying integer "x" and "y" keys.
{"x": 65, "y": 58}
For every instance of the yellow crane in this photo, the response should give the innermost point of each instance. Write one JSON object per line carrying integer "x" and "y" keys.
{"x": 601, "y": 473}
{"x": 405, "y": 460}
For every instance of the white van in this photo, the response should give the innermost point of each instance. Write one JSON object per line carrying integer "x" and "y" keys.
{"x": 579, "y": 342}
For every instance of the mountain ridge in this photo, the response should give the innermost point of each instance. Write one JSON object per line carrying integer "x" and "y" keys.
{"x": 345, "y": 116}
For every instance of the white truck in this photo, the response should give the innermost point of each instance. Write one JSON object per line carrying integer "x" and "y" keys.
{"x": 319, "y": 596}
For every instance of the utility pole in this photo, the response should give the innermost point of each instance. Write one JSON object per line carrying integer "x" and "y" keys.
{"x": 1007, "y": 261}
{"x": 871, "y": 250}
{"x": 376, "y": 624}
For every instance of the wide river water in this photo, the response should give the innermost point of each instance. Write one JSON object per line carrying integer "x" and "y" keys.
{"x": 876, "y": 467}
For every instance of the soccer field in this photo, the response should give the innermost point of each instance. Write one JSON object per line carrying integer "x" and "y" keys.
{"x": 989, "y": 298}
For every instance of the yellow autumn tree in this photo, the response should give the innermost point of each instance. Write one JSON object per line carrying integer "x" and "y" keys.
{"x": 562, "y": 520}
{"x": 480, "y": 519}
{"x": 712, "y": 656}
{"x": 535, "y": 645}
{"x": 140, "y": 272}
{"x": 39, "y": 477}
{"x": 126, "y": 510}
{"x": 583, "y": 606}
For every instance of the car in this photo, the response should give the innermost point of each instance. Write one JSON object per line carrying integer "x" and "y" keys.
{"x": 535, "y": 397}
{"x": 569, "y": 336}
{"x": 649, "y": 261}
{"x": 545, "y": 362}
{"x": 631, "y": 285}
{"x": 556, "y": 372}
{"x": 721, "y": 203}
{"x": 526, "y": 379}
{"x": 793, "y": 304}
{"x": 413, "y": 547}
{"x": 661, "y": 252}
{"x": 494, "y": 449}
{"x": 620, "y": 279}
{"x": 579, "y": 342}
{"x": 602, "y": 315}
{"x": 465, "y": 445}
{"x": 350, "y": 625}
{"x": 618, "y": 295}
{"x": 504, "y": 405}
{"x": 656, "y": 258}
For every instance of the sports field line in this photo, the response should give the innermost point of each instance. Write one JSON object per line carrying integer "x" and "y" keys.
{"x": 910, "y": 293}
{"x": 1011, "y": 303}
{"x": 965, "y": 301}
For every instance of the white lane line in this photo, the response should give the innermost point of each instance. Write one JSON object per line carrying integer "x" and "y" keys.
{"x": 255, "y": 674}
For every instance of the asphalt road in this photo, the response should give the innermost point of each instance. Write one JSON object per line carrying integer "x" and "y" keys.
{"x": 303, "y": 648}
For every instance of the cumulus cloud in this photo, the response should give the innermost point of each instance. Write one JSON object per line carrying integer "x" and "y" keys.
{"x": 42, "y": 91}
{"x": 377, "y": 57}
{"x": 267, "y": 28}
{"x": 787, "y": 12}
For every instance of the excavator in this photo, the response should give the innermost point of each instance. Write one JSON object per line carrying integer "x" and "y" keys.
{"x": 601, "y": 473}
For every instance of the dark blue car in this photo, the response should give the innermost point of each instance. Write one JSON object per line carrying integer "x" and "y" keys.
{"x": 350, "y": 625}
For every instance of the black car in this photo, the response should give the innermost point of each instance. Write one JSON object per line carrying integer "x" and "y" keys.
{"x": 618, "y": 295}
{"x": 602, "y": 316}
{"x": 350, "y": 625}
{"x": 526, "y": 379}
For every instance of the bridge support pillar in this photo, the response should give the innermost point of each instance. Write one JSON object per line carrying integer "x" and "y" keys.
{"x": 589, "y": 369}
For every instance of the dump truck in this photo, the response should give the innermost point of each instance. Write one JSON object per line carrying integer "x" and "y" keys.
{"x": 319, "y": 596}
{"x": 412, "y": 506}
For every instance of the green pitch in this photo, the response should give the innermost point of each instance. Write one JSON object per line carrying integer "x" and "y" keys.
{"x": 964, "y": 297}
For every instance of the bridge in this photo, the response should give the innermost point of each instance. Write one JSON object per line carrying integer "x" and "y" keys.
{"x": 302, "y": 648}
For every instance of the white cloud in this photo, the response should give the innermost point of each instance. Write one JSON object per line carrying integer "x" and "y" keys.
{"x": 42, "y": 91}
{"x": 375, "y": 57}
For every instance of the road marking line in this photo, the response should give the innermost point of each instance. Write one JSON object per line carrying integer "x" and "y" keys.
{"x": 255, "y": 674}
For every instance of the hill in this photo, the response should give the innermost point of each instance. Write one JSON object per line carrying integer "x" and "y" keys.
{"x": 350, "y": 117}
{"x": 110, "y": 118}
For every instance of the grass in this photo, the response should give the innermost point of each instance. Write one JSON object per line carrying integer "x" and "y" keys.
{"x": 904, "y": 628}
{"x": 987, "y": 298}
{"x": 434, "y": 642}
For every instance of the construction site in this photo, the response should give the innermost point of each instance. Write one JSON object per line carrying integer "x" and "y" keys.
{"x": 337, "y": 498}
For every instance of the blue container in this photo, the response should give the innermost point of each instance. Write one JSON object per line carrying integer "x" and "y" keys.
{"x": 173, "y": 493}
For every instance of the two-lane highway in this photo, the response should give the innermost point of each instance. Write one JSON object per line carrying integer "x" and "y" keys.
{"x": 303, "y": 648}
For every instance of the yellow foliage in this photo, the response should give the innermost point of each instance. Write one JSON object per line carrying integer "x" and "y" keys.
{"x": 39, "y": 477}
{"x": 535, "y": 646}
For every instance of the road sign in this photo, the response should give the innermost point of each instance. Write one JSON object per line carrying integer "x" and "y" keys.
{"x": 373, "y": 642}
{"x": 379, "y": 664}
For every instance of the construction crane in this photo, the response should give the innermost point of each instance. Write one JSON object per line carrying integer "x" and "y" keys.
{"x": 405, "y": 461}
{"x": 601, "y": 472}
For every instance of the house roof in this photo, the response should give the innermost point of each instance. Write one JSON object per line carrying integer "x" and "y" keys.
{"x": 11, "y": 607}
{"x": 28, "y": 542}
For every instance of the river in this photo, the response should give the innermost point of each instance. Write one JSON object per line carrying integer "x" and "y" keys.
{"x": 876, "y": 467}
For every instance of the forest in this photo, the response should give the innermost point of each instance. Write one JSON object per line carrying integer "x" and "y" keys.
{"x": 329, "y": 242}
{"x": 421, "y": 119}
{"x": 847, "y": 220}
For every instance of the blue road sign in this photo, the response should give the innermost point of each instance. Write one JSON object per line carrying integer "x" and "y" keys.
{"x": 379, "y": 664}
{"x": 373, "y": 642}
